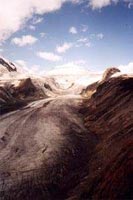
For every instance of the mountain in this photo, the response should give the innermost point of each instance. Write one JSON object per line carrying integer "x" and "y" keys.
{"x": 63, "y": 142}
{"x": 17, "y": 88}
{"x": 90, "y": 89}
{"x": 108, "y": 115}
{"x": 6, "y": 66}
{"x": 66, "y": 148}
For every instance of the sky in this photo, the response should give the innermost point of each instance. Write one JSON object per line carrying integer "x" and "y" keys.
{"x": 42, "y": 35}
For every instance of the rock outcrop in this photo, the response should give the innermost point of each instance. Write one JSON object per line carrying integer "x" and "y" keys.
{"x": 27, "y": 90}
{"x": 106, "y": 76}
{"x": 108, "y": 73}
{"x": 9, "y": 66}
{"x": 108, "y": 115}
{"x": 8, "y": 102}
{"x": 19, "y": 93}
{"x": 66, "y": 147}
{"x": 44, "y": 158}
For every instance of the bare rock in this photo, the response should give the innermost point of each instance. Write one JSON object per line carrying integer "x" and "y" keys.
{"x": 108, "y": 114}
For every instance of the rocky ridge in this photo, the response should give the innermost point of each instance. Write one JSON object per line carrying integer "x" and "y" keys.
{"x": 108, "y": 115}
{"x": 56, "y": 145}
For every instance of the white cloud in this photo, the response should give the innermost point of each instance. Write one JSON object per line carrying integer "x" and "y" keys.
{"x": 34, "y": 22}
{"x": 80, "y": 62}
{"x": 63, "y": 48}
{"x": 24, "y": 40}
{"x": 83, "y": 41}
{"x": 127, "y": 69}
{"x": 21, "y": 63}
{"x": 1, "y": 50}
{"x": 15, "y": 13}
{"x": 73, "y": 30}
{"x": 49, "y": 56}
{"x": 42, "y": 34}
{"x": 88, "y": 44}
{"x": 84, "y": 28}
{"x": 77, "y": 1}
{"x": 130, "y": 3}
{"x": 37, "y": 20}
{"x": 24, "y": 67}
{"x": 31, "y": 27}
{"x": 100, "y": 36}
{"x": 69, "y": 68}
{"x": 98, "y": 4}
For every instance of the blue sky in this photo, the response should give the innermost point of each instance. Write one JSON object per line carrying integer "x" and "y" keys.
{"x": 95, "y": 36}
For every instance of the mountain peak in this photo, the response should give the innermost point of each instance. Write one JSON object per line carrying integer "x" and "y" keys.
{"x": 8, "y": 65}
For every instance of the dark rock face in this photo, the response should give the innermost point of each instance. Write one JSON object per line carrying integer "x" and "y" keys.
{"x": 46, "y": 152}
{"x": 9, "y": 66}
{"x": 108, "y": 116}
{"x": 106, "y": 76}
{"x": 90, "y": 89}
{"x": 8, "y": 102}
{"x": 25, "y": 89}
{"x": 12, "y": 97}
{"x": 109, "y": 72}
{"x": 47, "y": 86}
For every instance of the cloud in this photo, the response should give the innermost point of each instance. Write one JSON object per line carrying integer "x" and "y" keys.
{"x": 73, "y": 30}
{"x": 88, "y": 44}
{"x": 1, "y": 50}
{"x": 21, "y": 63}
{"x": 31, "y": 27}
{"x": 37, "y": 20}
{"x": 15, "y": 13}
{"x": 84, "y": 28}
{"x": 83, "y": 41}
{"x": 24, "y": 40}
{"x": 42, "y": 34}
{"x": 63, "y": 48}
{"x": 100, "y": 36}
{"x": 127, "y": 69}
{"x": 98, "y": 4}
{"x": 34, "y": 22}
{"x": 70, "y": 68}
{"x": 49, "y": 56}
{"x": 130, "y": 3}
{"x": 23, "y": 67}
{"x": 77, "y": 73}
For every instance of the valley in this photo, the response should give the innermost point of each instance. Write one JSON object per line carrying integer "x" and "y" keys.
{"x": 65, "y": 141}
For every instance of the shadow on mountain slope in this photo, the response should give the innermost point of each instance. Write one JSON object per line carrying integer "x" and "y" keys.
{"x": 70, "y": 148}
{"x": 108, "y": 114}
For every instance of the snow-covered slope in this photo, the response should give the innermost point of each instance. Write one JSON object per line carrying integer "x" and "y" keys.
{"x": 68, "y": 79}
{"x": 73, "y": 75}
{"x": 6, "y": 66}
